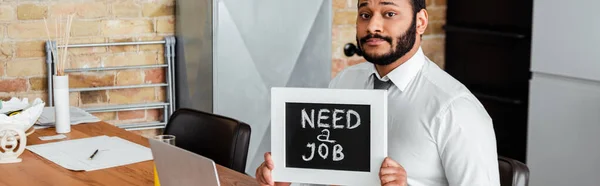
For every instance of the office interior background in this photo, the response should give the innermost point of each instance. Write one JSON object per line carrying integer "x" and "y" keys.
{"x": 531, "y": 63}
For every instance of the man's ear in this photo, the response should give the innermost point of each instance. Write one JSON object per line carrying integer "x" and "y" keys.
{"x": 422, "y": 21}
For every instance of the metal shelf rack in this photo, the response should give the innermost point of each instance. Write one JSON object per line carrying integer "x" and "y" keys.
{"x": 168, "y": 106}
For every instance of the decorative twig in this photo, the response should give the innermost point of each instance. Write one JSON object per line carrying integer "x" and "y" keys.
{"x": 62, "y": 42}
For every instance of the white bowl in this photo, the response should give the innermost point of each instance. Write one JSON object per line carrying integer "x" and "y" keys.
{"x": 26, "y": 118}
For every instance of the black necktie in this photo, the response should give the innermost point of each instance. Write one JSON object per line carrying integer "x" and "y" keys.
{"x": 378, "y": 84}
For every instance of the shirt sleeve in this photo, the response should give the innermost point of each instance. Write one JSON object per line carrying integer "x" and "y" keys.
{"x": 334, "y": 82}
{"x": 466, "y": 143}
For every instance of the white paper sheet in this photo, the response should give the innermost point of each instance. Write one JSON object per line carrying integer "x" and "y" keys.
{"x": 74, "y": 154}
{"x": 77, "y": 115}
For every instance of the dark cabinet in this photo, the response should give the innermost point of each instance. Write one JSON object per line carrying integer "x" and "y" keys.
{"x": 488, "y": 46}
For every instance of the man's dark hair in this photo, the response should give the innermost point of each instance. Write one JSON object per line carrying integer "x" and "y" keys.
{"x": 418, "y": 5}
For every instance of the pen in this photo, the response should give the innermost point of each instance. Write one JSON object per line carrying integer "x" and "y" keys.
{"x": 94, "y": 154}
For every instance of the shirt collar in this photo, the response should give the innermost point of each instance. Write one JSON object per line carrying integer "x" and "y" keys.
{"x": 403, "y": 74}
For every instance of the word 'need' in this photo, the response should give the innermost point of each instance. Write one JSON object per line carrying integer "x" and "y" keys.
{"x": 324, "y": 119}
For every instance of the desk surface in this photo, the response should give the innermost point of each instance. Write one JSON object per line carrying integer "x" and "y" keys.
{"x": 35, "y": 170}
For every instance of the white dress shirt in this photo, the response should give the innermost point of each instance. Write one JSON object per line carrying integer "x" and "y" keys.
{"x": 437, "y": 130}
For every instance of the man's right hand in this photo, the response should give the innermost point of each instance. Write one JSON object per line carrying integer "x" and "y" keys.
{"x": 263, "y": 173}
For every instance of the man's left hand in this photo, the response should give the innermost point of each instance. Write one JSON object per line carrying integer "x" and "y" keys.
{"x": 392, "y": 173}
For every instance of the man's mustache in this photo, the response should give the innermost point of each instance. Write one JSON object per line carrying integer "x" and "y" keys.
{"x": 385, "y": 38}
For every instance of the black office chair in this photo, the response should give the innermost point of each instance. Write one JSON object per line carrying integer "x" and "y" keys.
{"x": 512, "y": 172}
{"x": 222, "y": 139}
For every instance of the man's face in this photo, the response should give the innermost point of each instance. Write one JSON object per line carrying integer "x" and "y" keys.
{"x": 385, "y": 29}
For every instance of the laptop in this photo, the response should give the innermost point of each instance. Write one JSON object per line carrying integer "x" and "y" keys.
{"x": 179, "y": 167}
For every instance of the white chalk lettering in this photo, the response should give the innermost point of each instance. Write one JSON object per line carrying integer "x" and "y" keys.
{"x": 323, "y": 150}
{"x": 306, "y": 118}
{"x": 348, "y": 116}
{"x": 324, "y": 136}
{"x": 323, "y": 117}
{"x": 321, "y": 147}
{"x": 312, "y": 154}
{"x": 335, "y": 119}
{"x": 337, "y": 154}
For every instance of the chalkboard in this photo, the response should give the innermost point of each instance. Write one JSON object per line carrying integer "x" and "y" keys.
{"x": 328, "y": 136}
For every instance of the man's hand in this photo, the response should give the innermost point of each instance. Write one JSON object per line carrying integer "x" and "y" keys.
{"x": 263, "y": 172}
{"x": 392, "y": 173}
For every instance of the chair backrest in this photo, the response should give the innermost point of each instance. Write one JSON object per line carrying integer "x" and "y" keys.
{"x": 222, "y": 139}
{"x": 513, "y": 172}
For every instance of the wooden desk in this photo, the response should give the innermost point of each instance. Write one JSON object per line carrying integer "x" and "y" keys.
{"x": 35, "y": 170}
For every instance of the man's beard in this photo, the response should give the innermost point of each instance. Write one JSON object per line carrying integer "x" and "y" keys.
{"x": 403, "y": 45}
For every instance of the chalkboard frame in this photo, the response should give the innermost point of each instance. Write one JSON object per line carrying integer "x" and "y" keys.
{"x": 377, "y": 99}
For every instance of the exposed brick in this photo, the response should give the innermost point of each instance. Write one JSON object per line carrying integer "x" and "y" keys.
{"x": 4, "y": 97}
{"x": 84, "y": 61}
{"x": 94, "y": 97}
{"x": 165, "y": 25}
{"x": 2, "y": 68}
{"x": 30, "y": 30}
{"x": 339, "y": 4}
{"x": 127, "y": 96}
{"x": 86, "y": 50}
{"x": 353, "y": 3}
{"x": 161, "y": 94}
{"x": 126, "y": 9}
{"x": 337, "y": 66}
{"x": 6, "y": 50}
{"x": 74, "y": 99}
{"x": 105, "y": 116}
{"x": 440, "y": 3}
{"x": 437, "y": 14}
{"x": 131, "y": 59}
{"x": 26, "y": 67}
{"x": 31, "y": 11}
{"x": 337, "y": 49}
{"x": 129, "y": 77}
{"x": 434, "y": 49}
{"x": 344, "y": 35}
{"x": 31, "y": 49}
{"x": 13, "y": 85}
{"x": 161, "y": 59}
{"x": 34, "y": 95}
{"x": 7, "y": 13}
{"x": 79, "y": 80}
{"x": 435, "y": 28}
{"x": 126, "y": 27}
{"x": 154, "y": 75}
{"x": 335, "y": 32}
{"x": 82, "y": 10}
{"x": 2, "y": 30}
{"x": 429, "y": 3}
{"x": 154, "y": 115}
{"x": 159, "y": 47}
{"x": 38, "y": 83}
{"x": 134, "y": 114}
{"x": 85, "y": 28}
{"x": 150, "y": 133}
{"x": 344, "y": 17}
{"x": 124, "y": 48}
{"x": 156, "y": 9}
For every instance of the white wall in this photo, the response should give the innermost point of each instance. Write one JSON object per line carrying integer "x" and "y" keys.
{"x": 564, "y": 132}
{"x": 564, "y": 112}
{"x": 566, "y": 38}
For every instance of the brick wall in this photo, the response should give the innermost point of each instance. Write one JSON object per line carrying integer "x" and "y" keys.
{"x": 22, "y": 65}
{"x": 344, "y": 31}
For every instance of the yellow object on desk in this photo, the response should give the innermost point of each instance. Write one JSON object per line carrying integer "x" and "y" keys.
{"x": 156, "y": 181}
